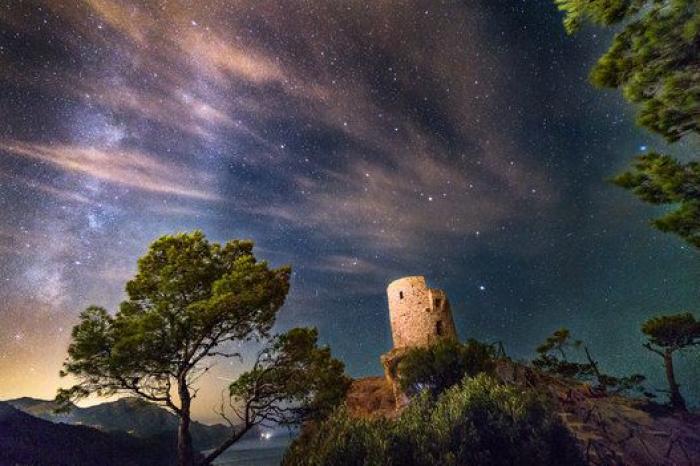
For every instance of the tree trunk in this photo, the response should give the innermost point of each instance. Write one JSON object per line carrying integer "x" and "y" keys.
{"x": 677, "y": 401}
{"x": 594, "y": 367}
{"x": 224, "y": 446}
{"x": 185, "y": 454}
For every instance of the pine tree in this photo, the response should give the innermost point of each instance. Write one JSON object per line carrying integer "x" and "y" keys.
{"x": 654, "y": 60}
{"x": 668, "y": 334}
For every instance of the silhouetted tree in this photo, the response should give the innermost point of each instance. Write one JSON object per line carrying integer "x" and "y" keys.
{"x": 655, "y": 60}
{"x": 668, "y": 334}
{"x": 560, "y": 354}
{"x": 292, "y": 381}
{"x": 554, "y": 355}
{"x": 659, "y": 179}
{"x": 189, "y": 298}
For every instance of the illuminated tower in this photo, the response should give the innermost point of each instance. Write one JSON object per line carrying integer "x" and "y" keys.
{"x": 419, "y": 315}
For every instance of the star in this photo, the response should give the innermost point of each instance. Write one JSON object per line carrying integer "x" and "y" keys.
{"x": 462, "y": 160}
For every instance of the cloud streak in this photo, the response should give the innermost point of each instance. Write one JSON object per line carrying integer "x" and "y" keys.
{"x": 132, "y": 169}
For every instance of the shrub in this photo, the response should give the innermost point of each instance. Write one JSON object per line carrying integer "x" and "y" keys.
{"x": 479, "y": 421}
{"x": 443, "y": 365}
{"x": 340, "y": 440}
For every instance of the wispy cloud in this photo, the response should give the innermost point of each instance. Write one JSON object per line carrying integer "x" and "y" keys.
{"x": 353, "y": 265}
{"x": 221, "y": 60}
{"x": 129, "y": 168}
{"x": 59, "y": 193}
{"x": 129, "y": 19}
{"x": 425, "y": 156}
{"x": 403, "y": 200}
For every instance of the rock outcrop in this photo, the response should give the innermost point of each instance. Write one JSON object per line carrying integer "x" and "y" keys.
{"x": 614, "y": 429}
{"x": 611, "y": 429}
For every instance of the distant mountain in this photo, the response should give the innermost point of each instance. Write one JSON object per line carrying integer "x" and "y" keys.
{"x": 28, "y": 440}
{"x": 132, "y": 415}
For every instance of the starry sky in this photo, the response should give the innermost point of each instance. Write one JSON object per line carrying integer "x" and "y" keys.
{"x": 358, "y": 141}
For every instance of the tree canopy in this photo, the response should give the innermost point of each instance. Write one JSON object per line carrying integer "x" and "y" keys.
{"x": 654, "y": 59}
{"x": 188, "y": 301}
{"x": 292, "y": 381}
{"x": 188, "y": 297}
{"x": 659, "y": 179}
{"x": 673, "y": 331}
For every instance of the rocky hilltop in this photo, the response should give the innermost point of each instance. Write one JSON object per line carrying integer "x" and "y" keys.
{"x": 611, "y": 430}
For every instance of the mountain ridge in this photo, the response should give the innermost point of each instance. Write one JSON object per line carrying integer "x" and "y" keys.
{"x": 26, "y": 439}
{"x": 131, "y": 415}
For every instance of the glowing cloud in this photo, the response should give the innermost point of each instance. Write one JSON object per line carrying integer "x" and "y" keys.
{"x": 130, "y": 168}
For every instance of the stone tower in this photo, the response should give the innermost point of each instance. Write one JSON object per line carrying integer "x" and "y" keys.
{"x": 419, "y": 315}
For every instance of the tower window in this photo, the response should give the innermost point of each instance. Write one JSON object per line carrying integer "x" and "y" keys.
{"x": 400, "y": 294}
{"x": 438, "y": 328}
{"x": 437, "y": 302}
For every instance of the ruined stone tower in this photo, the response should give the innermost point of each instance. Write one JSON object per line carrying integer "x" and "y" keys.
{"x": 419, "y": 315}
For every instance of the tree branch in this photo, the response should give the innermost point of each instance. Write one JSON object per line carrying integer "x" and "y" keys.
{"x": 652, "y": 349}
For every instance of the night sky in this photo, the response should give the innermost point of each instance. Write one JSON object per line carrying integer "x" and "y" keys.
{"x": 359, "y": 141}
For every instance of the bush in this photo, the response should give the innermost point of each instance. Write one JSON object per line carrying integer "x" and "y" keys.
{"x": 443, "y": 365}
{"x": 476, "y": 422}
{"x": 340, "y": 440}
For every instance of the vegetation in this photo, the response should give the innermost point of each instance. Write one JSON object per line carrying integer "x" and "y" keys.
{"x": 655, "y": 60}
{"x": 188, "y": 300}
{"x": 560, "y": 354}
{"x": 478, "y": 421}
{"x": 668, "y": 334}
{"x": 659, "y": 179}
{"x": 292, "y": 381}
{"x": 442, "y": 365}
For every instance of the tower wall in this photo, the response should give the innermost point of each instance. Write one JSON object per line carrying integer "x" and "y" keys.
{"x": 419, "y": 315}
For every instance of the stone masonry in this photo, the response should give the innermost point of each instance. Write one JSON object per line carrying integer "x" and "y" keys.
{"x": 419, "y": 315}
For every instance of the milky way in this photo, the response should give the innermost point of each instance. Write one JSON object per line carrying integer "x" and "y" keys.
{"x": 358, "y": 141}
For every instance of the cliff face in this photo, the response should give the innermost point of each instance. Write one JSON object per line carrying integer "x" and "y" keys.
{"x": 611, "y": 430}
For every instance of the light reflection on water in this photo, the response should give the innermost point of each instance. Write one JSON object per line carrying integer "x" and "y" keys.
{"x": 254, "y": 457}
{"x": 253, "y": 452}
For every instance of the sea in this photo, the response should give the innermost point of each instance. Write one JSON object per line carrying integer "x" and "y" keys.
{"x": 268, "y": 452}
